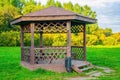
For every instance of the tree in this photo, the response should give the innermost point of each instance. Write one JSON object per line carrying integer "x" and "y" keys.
{"x": 109, "y": 41}
{"x": 15, "y": 3}
{"x": 50, "y": 3}
{"x": 68, "y": 6}
{"x": 77, "y": 8}
{"x": 58, "y": 4}
{"x": 92, "y": 28}
{"x": 91, "y": 39}
{"x": 88, "y": 12}
{"x": 30, "y": 6}
{"x": 116, "y": 36}
{"x": 8, "y": 12}
{"x": 107, "y": 31}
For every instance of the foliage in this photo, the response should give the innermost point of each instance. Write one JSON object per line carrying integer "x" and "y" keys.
{"x": 91, "y": 40}
{"x": 7, "y": 13}
{"x": 30, "y": 6}
{"x": 12, "y": 38}
{"x": 9, "y": 38}
{"x": 50, "y": 3}
{"x": 10, "y": 9}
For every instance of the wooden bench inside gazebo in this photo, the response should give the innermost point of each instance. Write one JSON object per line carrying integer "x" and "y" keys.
{"x": 57, "y": 58}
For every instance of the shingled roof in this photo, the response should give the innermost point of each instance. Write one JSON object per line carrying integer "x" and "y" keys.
{"x": 52, "y": 13}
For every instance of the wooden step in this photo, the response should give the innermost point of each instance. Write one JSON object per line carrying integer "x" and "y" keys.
{"x": 76, "y": 69}
{"x": 80, "y": 63}
{"x": 80, "y": 66}
{"x": 84, "y": 69}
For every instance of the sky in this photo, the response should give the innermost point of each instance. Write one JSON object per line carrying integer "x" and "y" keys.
{"x": 108, "y": 11}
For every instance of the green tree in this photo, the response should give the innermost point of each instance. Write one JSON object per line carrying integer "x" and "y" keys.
{"x": 58, "y": 4}
{"x": 92, "y": 28}
{"x": 7, "y": 13}
{"x": 30, "y": 6}
{"x": 15, "y": 3}
{"x": 68, "y": 6}
{"x": 77, "y": 8}
{"x": 88, "y": 12}
{"x": 50, "y": 3}
{"x": 108, "y": 31}
{"x": 109, "y": 41}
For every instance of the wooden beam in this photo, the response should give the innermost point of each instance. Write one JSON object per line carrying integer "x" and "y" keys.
{"x": 32, "y": 44}
{"x": 84, "y": 42}
{"x": 22, "y": 42}
{"x": 68, "y": 38}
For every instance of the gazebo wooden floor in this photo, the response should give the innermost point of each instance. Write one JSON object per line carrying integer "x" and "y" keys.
{"x": 77, "y": 66}
{"x": 52, "y": 67}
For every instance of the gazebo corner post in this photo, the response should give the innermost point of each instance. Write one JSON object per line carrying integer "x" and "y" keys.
{"x": 84, "y": 42}
{"x": 68, "y": 55}
{"x": 22, "y": 42}
{"x": 32, "y": 44}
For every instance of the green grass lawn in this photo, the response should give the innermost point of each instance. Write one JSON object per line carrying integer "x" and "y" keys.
{"x": 106, "y": 57}
{"x": 10, "y": 68}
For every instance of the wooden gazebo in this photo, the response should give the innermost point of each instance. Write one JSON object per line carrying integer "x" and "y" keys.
{"x": 53, "y": 20}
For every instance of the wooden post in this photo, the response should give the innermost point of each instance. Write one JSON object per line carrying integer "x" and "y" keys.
{"x": 22, "y": 42}
{"x": 84, "y": 42}
{"x": 68, "y": 55}
{"x": 32, "y": 44}
{"x": 68, "y": 38}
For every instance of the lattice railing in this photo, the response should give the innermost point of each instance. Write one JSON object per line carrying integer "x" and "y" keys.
{"x": 26, "y": 55}
{"x": 51, "y": 27}
{"x": 77, "y": 29}
{"x": 26, "y": 28}
{"x": 77, "y": 52}
{"x": 50, "y": 55}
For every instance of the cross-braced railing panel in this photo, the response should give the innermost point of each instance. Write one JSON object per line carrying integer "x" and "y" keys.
{"x": 26, "y": 28}
{"x": 51, "y": 27}
{"x": 76, "y": 28}
{"x": 77, "y": 53}
{"x": 50, "y": 55}
{"x": 77, "y": 49}
{"x": 26, "y": 54}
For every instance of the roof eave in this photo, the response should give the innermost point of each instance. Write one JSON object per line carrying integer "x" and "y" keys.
{"x": 87, "y": 20}
{"x": 16, "y": 21}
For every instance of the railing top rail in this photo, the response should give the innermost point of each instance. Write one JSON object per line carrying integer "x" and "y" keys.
{"x": 57, "y": 48}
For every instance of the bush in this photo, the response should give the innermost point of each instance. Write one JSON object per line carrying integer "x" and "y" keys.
{"x": 109, "y": 41}
{"x": 12, "y": 38}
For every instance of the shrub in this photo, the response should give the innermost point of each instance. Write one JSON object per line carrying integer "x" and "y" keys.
{"x": 9, "y": 38}
{"x": 12, "y": 38}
